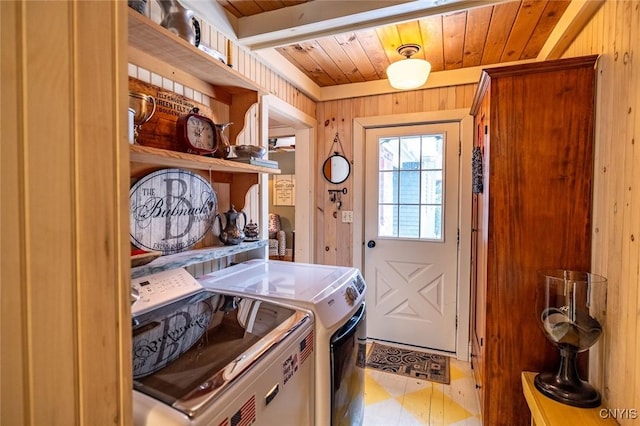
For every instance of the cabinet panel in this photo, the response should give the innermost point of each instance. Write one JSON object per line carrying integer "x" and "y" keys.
{"x": 479, "y": 289}
{"x": 534, "y": 213}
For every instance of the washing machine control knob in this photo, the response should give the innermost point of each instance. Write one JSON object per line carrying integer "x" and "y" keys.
{"x": 351, "y": 294}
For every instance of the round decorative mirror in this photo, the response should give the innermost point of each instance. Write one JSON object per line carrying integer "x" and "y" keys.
{"x": 336, "y": 168}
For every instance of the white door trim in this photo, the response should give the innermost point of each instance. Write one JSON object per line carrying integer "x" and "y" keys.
{"x": 360, "y": 124}
{"x": 305, "y": 133}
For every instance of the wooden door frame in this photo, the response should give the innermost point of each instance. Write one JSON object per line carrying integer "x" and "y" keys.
{"x": 461, "y": 116}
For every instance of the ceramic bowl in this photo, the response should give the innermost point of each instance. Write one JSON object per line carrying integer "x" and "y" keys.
{"x": 246, "y": 151}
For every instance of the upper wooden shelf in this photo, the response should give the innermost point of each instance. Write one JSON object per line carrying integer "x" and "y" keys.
{"x": 151, "y": 38}
{"x": 163, "y": 157}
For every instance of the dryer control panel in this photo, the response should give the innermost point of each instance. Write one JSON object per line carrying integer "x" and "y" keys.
{"x": 158, "y": 289}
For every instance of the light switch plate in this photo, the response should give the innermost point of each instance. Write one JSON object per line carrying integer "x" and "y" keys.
{"x": 347, "y": 216}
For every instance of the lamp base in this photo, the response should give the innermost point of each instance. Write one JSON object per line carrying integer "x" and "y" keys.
{"x": 566, "y": 386}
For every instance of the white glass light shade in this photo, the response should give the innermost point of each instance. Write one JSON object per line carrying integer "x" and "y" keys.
{"x": 408, "y": 73}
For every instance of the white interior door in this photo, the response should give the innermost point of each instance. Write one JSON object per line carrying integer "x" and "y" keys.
{"x": 411, "y": 234}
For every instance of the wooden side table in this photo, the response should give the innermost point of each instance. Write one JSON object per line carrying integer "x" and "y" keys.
{"x": 547, "y": 412}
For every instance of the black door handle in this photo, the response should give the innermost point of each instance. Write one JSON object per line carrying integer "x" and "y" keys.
{"x": 371, "y": 244}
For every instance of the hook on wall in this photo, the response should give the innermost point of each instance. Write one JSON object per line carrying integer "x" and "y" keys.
{"x": 334, "y": 196}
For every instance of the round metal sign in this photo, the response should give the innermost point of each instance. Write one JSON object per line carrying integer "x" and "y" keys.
{"x": 171, "y": 210}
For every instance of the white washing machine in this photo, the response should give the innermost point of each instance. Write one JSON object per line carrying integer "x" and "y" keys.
{"x": 335, "y": 295}
{"x": 204, "y": 357}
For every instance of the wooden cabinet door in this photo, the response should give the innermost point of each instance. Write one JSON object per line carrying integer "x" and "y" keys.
{"x": 479, "y": 244}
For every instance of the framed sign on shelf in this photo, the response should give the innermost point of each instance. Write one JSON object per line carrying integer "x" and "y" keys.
{"x": 284, "y": 190}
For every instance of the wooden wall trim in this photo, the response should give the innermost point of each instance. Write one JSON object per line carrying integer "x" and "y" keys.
{"x": 13, "y": 326}
{"x": 102, "y": 213}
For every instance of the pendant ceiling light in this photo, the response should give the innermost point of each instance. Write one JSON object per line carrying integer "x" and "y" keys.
{"x": 408, "y": 73}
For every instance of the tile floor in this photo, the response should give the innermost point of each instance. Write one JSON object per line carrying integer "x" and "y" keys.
{"x": 392, "y": 400}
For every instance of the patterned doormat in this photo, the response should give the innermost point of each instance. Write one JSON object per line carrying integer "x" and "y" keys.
{"x": 410, "y": 363}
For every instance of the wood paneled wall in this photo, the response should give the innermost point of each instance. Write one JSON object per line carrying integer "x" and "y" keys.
{"x": 614, "y": 32}
{"x": 65, "y": 318}
{"x": 333, "y": 237}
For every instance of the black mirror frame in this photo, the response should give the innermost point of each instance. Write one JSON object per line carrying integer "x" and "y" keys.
{"x": 324, "y": 167}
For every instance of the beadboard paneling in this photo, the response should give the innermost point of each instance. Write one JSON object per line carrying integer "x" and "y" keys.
{"x": 66, "y": 347}
{"x": 614, "y": 33}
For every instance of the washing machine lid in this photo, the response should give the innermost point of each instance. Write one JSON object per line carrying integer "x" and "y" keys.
{"x": 188, "y": 352}
{"x": 301, "y": 282}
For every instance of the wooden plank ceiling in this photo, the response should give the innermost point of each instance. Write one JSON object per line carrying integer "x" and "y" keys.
{"x": 486, "y": 35}
{"x": 242, "y": 8}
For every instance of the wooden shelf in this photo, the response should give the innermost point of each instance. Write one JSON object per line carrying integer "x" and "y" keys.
{"x": 190, "y": 257}
{"x": 148, "y": 37}
{"x": 153, "y": 39}
{"x": 547, "y": 412}
{"x": 163, "y": 157}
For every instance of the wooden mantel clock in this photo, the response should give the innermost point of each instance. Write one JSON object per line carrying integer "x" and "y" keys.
{"x": 197, "y": 133}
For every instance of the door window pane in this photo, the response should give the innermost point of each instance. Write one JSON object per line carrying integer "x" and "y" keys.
{"x": 432, "y": 153}
{"x": 410, "y": 153}
{"x": 388, "y": 220}
{"x": 411, "y": 186}
{"x": 388, "y": 154}
{"x": 387, "y": 184}
{"x": 409, "y": 225}
{"x": 431, "y": 191}
{"x": 431, "y": 222}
